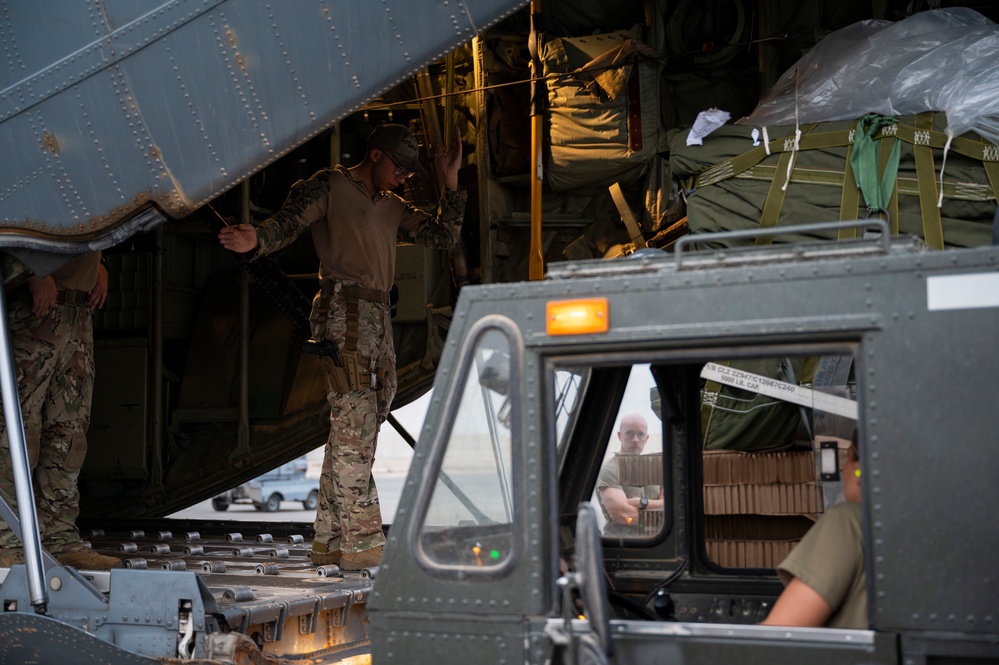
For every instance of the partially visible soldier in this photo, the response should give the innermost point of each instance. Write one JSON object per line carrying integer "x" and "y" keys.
{"x": 356, "y": 222}
{"x": 52, "y": 337}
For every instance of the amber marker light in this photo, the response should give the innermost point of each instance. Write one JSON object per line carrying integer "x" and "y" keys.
{"x": 578, "y": 317}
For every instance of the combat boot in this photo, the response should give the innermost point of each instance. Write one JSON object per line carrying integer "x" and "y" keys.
{"x": 321, "y": 555}
{"x": 362, "y": 560}
{"x": 10, "y": 556}
{"x": 85, "y": 558}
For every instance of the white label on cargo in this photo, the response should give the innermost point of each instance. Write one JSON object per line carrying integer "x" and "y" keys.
{"x": 975, "y": 291}
{"x": 764, "y": 385}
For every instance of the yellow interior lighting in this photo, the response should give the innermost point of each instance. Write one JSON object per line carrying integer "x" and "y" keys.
{"x": 578, "y": 317}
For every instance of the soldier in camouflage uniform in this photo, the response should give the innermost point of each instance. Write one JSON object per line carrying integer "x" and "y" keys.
{"x": 51, "y": 330}
{"x": 356, "y": 222}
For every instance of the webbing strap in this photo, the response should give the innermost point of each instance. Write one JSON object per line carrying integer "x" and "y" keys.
{"x": 775, "y": 199}
{"x": 992, "y": 167}
{"x": 958, "y": 191}
{"x": 735, "y": 165}
{"x": 323, "y": 306}
{"x": 927, "y": 182}
{"x": 770, "y": 214}
{"x": 983, "y": 150}
{"x": 849, "y": 202}
{"x": 728, "y": 168}
{"x": 350, "y": 339}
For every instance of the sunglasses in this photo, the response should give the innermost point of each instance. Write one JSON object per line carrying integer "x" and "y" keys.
{"x": 400, "y": 170}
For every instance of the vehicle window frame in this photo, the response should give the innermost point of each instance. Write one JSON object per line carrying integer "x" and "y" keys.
{"x": 694, "y": 355}
{"x": 850, "y": 347}
{"x": 438, "y": 447}
{"x": 589, "y": 361}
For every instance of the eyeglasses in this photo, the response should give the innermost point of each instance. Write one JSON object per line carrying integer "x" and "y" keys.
{"x": 400, "y": 170}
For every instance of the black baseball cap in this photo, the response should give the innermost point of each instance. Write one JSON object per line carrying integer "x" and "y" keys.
{"x": 399, "y": 144}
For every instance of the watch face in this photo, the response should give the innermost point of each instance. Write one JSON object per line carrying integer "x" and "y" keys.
{"x": 644, "y": 503}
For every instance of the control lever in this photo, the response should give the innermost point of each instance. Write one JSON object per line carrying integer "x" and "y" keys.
{"x": 662, "y": 605}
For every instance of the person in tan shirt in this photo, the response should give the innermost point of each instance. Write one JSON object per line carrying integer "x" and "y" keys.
{"x": 356, "y": 221}
{"x": 824, "y": 577}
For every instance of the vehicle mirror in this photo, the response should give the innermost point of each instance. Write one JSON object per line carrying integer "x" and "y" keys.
{"x": 590, "y": 574}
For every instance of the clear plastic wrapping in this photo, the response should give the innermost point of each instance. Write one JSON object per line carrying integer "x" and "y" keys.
{"x": 940, "y": 60}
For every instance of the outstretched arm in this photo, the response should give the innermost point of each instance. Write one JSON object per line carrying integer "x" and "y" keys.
{"x": 450, "y": 160}
{"x": 240, "y": 238}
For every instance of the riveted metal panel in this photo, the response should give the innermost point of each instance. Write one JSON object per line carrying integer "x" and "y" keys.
{"x": 106, "y": 107}
{"x": 417, "y": 640}
{"x": 926, "y": 392}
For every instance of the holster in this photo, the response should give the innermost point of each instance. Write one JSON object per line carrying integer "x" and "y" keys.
{"x": 357, "y": 373}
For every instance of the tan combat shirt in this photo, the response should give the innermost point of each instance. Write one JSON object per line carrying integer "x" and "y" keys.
{"x": 355, "y": 235}
{"x": 80, "y": 274}
{"x": 830, "y": 560}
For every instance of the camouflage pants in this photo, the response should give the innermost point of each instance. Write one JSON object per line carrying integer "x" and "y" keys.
{"x": 54, "y": 363}
{"x": 348, "y": 516}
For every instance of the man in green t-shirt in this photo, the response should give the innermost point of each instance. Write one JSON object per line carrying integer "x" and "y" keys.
{"x": 624, "y": 506}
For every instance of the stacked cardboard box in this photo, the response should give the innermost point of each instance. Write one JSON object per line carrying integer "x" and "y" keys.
{"x": 757, "y": 506}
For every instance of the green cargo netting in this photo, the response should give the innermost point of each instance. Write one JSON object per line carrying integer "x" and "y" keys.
{"x": 733, "y": 184}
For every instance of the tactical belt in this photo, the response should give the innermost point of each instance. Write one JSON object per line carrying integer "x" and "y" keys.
{"x": 72, "y": 297}
{"x": 352, "y": 292}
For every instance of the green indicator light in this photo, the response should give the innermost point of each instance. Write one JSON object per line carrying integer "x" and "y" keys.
{"x": 494, "y": 554}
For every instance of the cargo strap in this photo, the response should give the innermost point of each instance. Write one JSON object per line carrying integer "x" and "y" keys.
{"x": 981, "y": 150}
{"x": 926, "y": 178}
{"x": 849, "y": 202}
{"x": 775, "y": 197}
{"x": 992, "y": 167}
{"x": 923, "y": 139}
{"x": 735, "y": 165}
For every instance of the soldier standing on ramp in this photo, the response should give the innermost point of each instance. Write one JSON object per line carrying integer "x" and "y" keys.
{"x": 52, "y": 337}
{"x": 356, "y": 222}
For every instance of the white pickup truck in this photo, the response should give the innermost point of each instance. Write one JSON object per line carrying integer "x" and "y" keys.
{"x": 288, "y": 482}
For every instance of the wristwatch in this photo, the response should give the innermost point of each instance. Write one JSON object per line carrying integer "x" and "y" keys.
{"x": 643, "y": 503}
